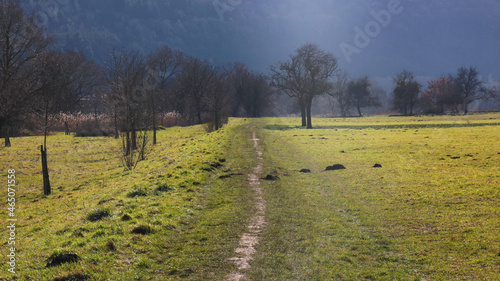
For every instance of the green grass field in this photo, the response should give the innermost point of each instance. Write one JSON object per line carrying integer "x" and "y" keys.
{"x": 195, "y": 220}
{"x": 432, "y": 211}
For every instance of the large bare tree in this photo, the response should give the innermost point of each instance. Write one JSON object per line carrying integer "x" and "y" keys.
{"x": 21, "y": 42}
{"x": 307, "y": 74}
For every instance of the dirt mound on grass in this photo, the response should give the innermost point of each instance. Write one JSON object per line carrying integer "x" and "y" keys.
{"x": 271, "y": 178}
{"x": 335, "y": 167}
{"x": 58, "y": 259}
{"x": 305, "y": 171}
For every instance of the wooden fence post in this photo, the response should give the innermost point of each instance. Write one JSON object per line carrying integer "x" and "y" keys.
{"x": 45, "y": 171}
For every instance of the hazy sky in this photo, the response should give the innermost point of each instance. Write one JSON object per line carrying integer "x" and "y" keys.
{"x": 377, "y": 38}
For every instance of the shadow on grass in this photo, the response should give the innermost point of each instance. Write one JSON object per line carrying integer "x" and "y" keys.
{"x": 277, "y": 127}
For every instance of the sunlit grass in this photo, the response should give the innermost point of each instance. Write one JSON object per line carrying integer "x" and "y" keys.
{"x": 158, "y": 233}
{"x": 432, "y": 211}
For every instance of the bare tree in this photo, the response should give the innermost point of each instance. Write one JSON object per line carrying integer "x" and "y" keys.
{"x": 239, "y": 77}
{"x": 305, "y": 75}
{"x": 63, "y": 80}
{"x": 405, "y": 92}
{"x": 193, "y": 85}
{"x": 287, "y": 77}
{"x": 163, "y": 65}
{"x": 250, "y": 93}
{"x": 339, "y": 92}
{"x": 217, "y": 100}
{"x": 21, "y": 42}
{"x": 469, "y": 87}
{"x": 360, "y": 93}
{"x": 126, "y": 76}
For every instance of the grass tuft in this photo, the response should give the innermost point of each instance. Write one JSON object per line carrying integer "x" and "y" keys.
{"x": 142, "y": 229}
{"x": 98, "y": 214}
{"x": 110, "y": 245}
{"x": 164, "y": 188}
{"x": 137, "y": 193}
{"x": 126, "y": 217}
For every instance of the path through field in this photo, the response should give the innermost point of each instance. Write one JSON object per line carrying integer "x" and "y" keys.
{"x": 248, "y": 240}
{"x": 423, "y": 213}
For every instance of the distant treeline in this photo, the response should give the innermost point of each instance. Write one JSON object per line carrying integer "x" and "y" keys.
{"x": 133, "y": 91}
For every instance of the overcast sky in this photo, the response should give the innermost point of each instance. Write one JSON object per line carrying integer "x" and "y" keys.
{"x": 377, "y": 38}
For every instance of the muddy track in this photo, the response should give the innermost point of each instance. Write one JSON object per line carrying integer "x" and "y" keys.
{"x": 248, "y": 240}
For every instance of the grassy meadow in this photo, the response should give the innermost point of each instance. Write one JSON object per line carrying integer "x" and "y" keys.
{"x": 431, "y": 212}
{"x": 170, "y": 218}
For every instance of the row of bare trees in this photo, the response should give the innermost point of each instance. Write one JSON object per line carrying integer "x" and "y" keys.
{"x": 455, "y": 92}
{"x": 35, "y": 80}
{"x": 133, "y": 89}
{"x": 445, "y": 93}
{"x": 138, "y": 89}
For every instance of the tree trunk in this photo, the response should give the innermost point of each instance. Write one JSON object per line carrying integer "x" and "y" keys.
{"x": 199, "y": 117}
{"x": 359, "y": 111}
{"x": 116, "y": 124}
{"x": 127, "y": 142}
{"x": 466, "y": 109}
{"x": 154, "y": 127}
{"x": 45, "y": 171}
{"x": 133, "y": 137}
{"x": 303, "y": 113}
{"x": 309, "y": 121}
{"x": 6, "y": 129}
{"x": 66, "y": 127}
